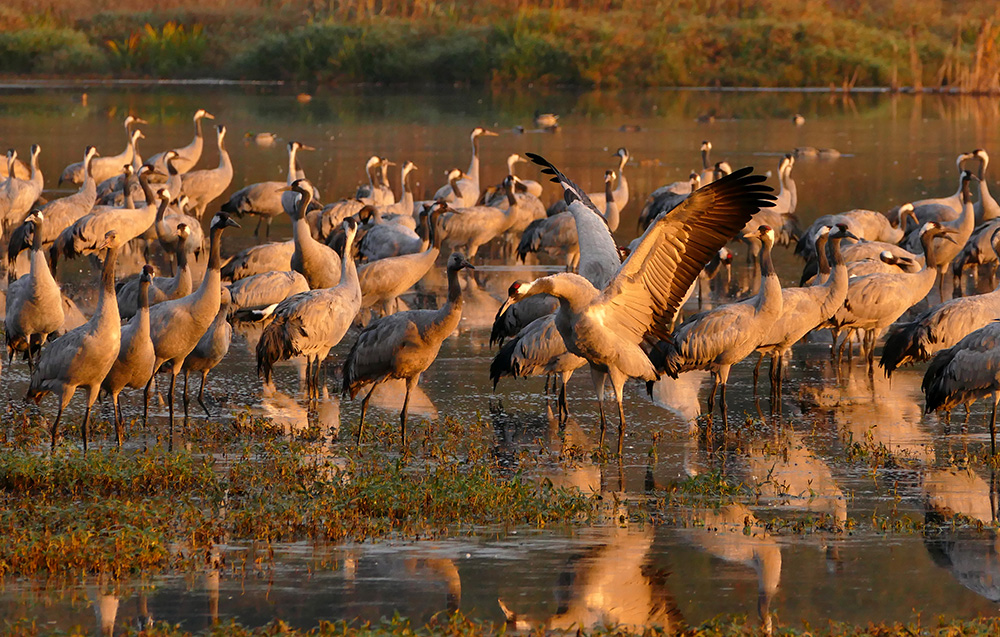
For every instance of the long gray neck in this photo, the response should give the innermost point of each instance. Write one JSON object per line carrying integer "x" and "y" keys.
{"x": 824, "y": 263}
{"x": 107, "y": 301}
{"x": 454, "y": 287}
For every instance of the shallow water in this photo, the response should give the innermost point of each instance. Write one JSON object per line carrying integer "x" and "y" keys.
{"x": 896, "y": 148}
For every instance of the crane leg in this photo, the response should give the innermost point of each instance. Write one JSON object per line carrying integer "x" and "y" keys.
{"x": 55, "y": 425}
{"x": 402, "y": 414}
{"x": 993, "y": 425}
{"x": 86, "y": 423}
{"x": 267, "y": 229}
{"x": 563, "y": 408}
{"x": 618, "y": 384}
{"x": 256, "y": 231}
{"x": 711, "y": 393}
{"x": 201, "y": 392}
{"x": 722, "y": 405}
{"x": 185, "y": 395}
{"x": 118, "y": 420}
{"x": 364, "y": 409}
{"x": 599, "y": 377}
{"x": 170, "y": 408}
{"x": 756, "y": 372}
{"x": 145, "y": 402}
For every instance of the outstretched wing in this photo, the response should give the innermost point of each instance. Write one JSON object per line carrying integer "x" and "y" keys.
{"x": 599, "y": 261}
{"x": 642, "y": 300}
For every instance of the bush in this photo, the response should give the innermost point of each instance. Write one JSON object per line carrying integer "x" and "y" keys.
{"x": 48, "y": 50}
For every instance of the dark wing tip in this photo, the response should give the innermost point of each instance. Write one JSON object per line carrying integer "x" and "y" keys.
{"x": 571, "y": 192}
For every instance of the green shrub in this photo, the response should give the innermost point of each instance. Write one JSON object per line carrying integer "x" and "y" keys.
{"x": 48, "y": 50}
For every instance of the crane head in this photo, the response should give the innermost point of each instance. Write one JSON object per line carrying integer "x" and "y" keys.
{"x": 147, "y": 274}
{"x": 110, "y": 240}
{"x": 164, "y": 194}
{"x": 200, "y": 113}
{"x": 517, "y": 291}
{"x": 222, "y": 221}
{"x": 183, "y": 231}
{"x": 458, "y": 262}
{"x": 844, "y": 232}
{"x": 706, "y": 145}
{"x": 485, "y": 132}
{"x": 766, "y": 234}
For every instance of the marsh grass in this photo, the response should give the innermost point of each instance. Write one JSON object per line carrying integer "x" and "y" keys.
{"x": 120, "y": 512}
{"x": 458, "y": 625}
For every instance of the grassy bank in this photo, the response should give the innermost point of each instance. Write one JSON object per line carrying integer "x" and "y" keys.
{"x": 147, "y": 510}
{"x": 613, "y": 43}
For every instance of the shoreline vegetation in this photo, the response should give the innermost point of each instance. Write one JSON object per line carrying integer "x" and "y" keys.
{"x": 923, "y": 45}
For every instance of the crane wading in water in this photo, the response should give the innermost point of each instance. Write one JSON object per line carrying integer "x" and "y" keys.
{"x": 614, "y": 328}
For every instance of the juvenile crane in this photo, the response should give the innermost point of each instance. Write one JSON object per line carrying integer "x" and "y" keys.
{"x": 403, "y": 345}
{"x": 609, "y": 327}
{"x": 311, "y": 323}
{"x": 83, "y": 357}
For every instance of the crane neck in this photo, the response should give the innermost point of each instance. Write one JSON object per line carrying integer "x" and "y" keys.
{"x": 197, "y": 129}
{"x": 838, "y": 256}
{"x": 509, "y": 191}
{"x": 36, "y": 173}
{"x": 824, "y": 263}
{"x": 144, "y": 296}
{"x": 705, "y": 163}
{"x": 37, "y": 239}
{"x": 107, "y": 302}
{"x": 927, "y": 240}
{"x": 766, "y": 265}
{"x": 182, "y": 257}
{"x": 455, "y": 189}
{"x": 290, "y": 179}
{"x": 454, "y": 288}
{"x": 348, "y": 269}
{"x": 215, "y": 252}
{"x": 160, "y": 210}
{"x": 147, "y": 190}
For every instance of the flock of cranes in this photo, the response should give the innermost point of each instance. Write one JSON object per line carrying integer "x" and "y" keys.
{"x": 349, "y": 262}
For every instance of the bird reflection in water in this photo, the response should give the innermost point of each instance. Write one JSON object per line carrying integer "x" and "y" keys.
{"x": 734, "y": 534}
{"x": 611, "y": 583}
{"x": 788, "y": 474}
{"x": 104, "y": 600}
{"x": 871, "y": 411}
{"x": 972, "y": 556}
{"x": 293, "y": 417}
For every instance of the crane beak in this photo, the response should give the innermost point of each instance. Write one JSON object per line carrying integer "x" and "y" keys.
{"x": 209, "y": 115}
{"x": 850, "y": 235}
{"x": 305, "y": 147}
{"x": 489, "y": 133}
{"x": 503, "y": 308}
{"x": 230, "y": 223}
{"x": 138, "y": 120}
{"x": 467, "y": 266}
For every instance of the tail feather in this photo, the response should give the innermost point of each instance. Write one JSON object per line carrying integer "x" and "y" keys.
{"x": 935, "y": 382}
{"x": 531, "y": 239}
{"x": 902, "y": 347}
{"x": 272, "y": 347}
{"x": 503, "y": 363}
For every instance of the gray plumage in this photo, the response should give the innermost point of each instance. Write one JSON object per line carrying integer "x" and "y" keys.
{"x": 205, "y": 186}
{"x": 598, "y": 199}
{"x": 940, "y": 209}
{"x": 938, "y": 328}
{"x": 176, "y": 326}
{"x": 104, "y": 167}
{"x": 469, "y": 186}
{"x": 264, "y": 198}
{"x": 311, "y": 323}
{"x": 803, "y": 309}
{"x": 382, "y": 281}
{"x": 59, "y": 213}
{"x": 212, "y": 347}
{"x": 723, "y": 336}
{"x": 966, "y": 371}
{"x": 267, "y": 257}
{"x": 87, "y": 232}
{"x": 317, "y": 262}
{"x": 133, "y": 367}
{"x": 666, "y": 198}
{"x": 608, "y": 327}
{"x": 867, "y": 225}
{"x": 82, "y": 357}
{"x": 403, "y": 345}
{"x": 876, "y": 301}
{"x": 986, "y": 206}
{"x": 161, "y": 289}
{"x": 18, "y": 195}
{"x": 265, "y": 289}
{"x": 555, "y": 235}
{"x": 187, "y": 156}
{"x": 169, "y": 219}
{"x": 34, "y": 302}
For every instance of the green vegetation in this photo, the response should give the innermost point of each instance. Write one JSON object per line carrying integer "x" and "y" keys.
{"x": 925, "y": 43}
{"x": 460, "y": 626}
{"x": 120, "y": 512}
